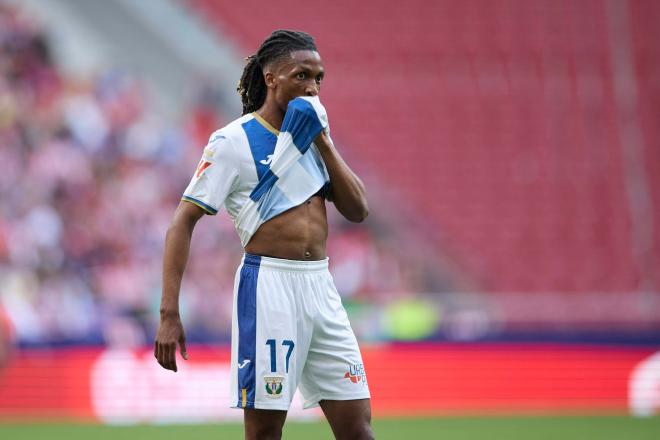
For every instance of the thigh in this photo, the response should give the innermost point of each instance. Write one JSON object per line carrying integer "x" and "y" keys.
{"x": 334, "y": 368}
{"x": 263, "y": 424}
{"x": 349, "y": 419}
{"x": 268, "y": 346}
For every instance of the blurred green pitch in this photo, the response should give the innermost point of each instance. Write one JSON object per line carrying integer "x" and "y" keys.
{"x": 459, "y": 428}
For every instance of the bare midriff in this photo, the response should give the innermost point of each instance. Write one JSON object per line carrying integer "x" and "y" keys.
{"x": 297, "y": 234}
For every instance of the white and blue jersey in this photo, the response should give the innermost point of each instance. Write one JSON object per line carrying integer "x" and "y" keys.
{"x": 256, "y": 172}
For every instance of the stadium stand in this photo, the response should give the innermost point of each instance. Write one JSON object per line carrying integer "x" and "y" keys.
{"x": 498, "y": 122}
{"x": 90, "y": 177}
{"x": 503, "y": 130}
{"x": 516, "y": 140}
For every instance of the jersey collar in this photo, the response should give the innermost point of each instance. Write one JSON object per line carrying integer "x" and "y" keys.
{"x": 265, "y": 124}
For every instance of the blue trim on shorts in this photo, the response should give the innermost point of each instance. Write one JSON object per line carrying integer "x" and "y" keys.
{"x": 246, "y": 308}
{"x": 252, "y": 260}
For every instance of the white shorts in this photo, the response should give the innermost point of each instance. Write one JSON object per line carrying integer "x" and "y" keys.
{"x": 290, "y": 329}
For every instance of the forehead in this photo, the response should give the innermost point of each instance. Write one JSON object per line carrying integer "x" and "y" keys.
{"x": 307, "y": 59}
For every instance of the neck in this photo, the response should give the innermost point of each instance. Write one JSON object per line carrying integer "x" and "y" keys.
{"x": 272, "y": 114}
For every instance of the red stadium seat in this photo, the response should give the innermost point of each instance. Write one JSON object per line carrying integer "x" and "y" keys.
{"x": 496, "y": 120}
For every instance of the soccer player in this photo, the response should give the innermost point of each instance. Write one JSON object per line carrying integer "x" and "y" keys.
{"x": 289, "y": 328}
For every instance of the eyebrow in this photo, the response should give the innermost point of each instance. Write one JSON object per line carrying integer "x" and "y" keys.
{"x": 308, "y": 68}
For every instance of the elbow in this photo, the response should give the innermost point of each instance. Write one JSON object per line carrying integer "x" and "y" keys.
{"x": 170, "y": 231}
{"x": 362, "y": 217}
{"x": 178, "y": 228}
{"x": 354, "y": 210}
{"x": 173, "y": 228}
{"x": 358, "y": 216}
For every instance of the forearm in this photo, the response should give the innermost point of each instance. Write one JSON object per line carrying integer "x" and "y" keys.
{"x": 348, "y": 191}
{"x": 177, "y": 248}
{"x": 175, "y": 257}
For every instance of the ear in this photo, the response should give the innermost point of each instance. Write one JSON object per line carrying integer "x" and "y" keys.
{"x": 270, "y": 79}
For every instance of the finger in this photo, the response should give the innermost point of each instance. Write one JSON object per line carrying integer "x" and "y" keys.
{"x": 182, "y": 344}
{"x": 171, "y": 356}
{"x": 165, "y": 356}
{"x": 156, "y": 349}
{"x": 161, "y": 356}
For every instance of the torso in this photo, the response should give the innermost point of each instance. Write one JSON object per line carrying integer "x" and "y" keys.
{"x": 297, "y": 234}
{"x": 240, "y": 154}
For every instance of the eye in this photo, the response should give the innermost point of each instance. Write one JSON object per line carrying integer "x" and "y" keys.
{"x": 301, "y": 75}
{"x": 319, "y": 78}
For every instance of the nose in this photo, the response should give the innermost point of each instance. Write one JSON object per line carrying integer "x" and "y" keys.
{"x": 312, "y": 89}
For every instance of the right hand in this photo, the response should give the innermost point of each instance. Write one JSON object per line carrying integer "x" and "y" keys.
{"x": 170, "y": 332}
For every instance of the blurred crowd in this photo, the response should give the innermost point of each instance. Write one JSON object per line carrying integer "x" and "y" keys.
{"x": 90, "y": 176}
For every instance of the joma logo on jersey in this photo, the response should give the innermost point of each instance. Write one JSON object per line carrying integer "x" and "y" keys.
{"x": 356, "y": 374}
{"x": 267, "y": 160}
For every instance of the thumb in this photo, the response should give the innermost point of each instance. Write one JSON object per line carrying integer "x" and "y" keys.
{"x": 182, "y": 344}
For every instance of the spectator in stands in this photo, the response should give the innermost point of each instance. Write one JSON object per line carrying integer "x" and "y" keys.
{"x": 6, "y": 338}
{"x": 75, "y": 233}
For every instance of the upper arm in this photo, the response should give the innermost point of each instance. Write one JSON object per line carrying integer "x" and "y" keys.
{"x": 215, "y": 176}
{"x": 187, "y": 214}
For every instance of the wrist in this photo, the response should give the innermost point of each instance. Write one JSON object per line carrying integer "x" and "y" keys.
{"x": 166, "y": 313}
{"x": 322, "y": 140}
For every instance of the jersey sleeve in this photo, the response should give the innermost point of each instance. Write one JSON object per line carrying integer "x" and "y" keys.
{"x": 215, "y": 176}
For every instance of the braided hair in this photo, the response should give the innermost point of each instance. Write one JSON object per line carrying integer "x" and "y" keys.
{"x": 252, "y": 85}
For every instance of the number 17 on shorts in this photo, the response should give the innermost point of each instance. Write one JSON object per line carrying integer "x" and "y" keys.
{"x": 274, "y": 382}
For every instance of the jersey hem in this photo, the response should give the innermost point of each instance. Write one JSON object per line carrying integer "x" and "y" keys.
{"x": 262, "y": 405}
{"x": 208, "y": 209}
{"x": 314, "y": 401}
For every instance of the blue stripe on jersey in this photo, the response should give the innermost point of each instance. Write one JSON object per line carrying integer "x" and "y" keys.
{"x": 277, "y": 201}
{"x": 302, "y": 122}
{"x": 262, "y": 144}
{"x": 246, "y": 309}
{"x": 264, "y": 185}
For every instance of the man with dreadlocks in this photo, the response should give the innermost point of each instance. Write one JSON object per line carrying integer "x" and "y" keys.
{"x": 289, "y": 328}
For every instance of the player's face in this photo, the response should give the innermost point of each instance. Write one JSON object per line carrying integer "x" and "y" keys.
{"x": 300, "y": 75}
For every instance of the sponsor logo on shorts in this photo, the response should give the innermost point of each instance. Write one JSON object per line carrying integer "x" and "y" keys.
{"x": 356, "y": 374}
{"x": 274, "y": 386}
{"x": 245, "y": 362}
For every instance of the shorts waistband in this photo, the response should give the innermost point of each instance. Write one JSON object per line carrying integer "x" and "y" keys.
{"x": 286, "y": 265}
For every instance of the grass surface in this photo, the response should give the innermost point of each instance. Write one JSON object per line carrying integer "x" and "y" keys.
{"x": 459, "y": 428}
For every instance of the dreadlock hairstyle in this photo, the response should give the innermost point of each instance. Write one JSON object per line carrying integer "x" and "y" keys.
{"x": 252, "y": 86}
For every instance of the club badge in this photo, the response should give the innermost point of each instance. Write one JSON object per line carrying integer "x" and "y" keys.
{"x": 274, "y": 386}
